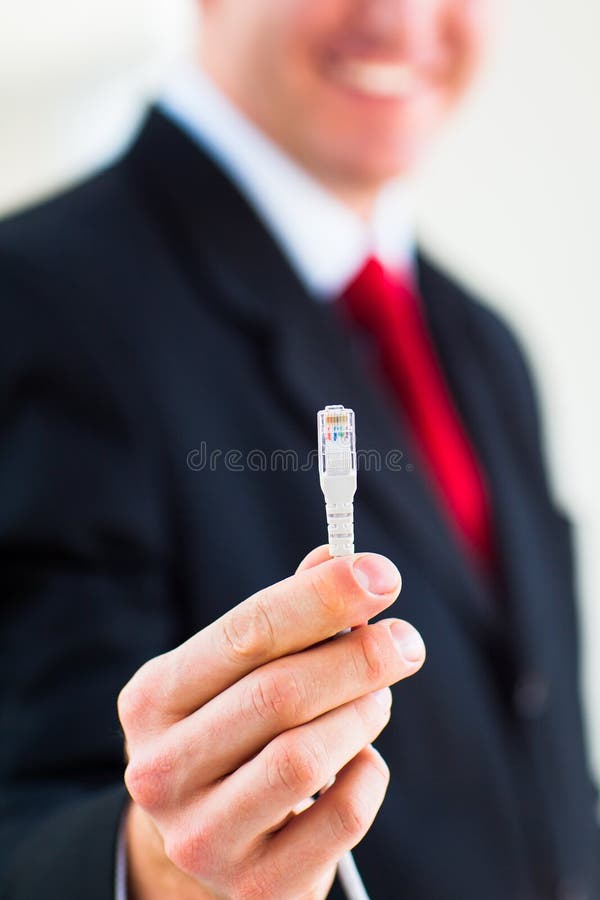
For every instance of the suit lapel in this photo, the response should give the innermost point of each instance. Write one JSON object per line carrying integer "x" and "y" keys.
{"x": 312, "y": 357}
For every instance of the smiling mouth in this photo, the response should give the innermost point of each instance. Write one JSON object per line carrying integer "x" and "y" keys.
{"x": 396, "y": 81}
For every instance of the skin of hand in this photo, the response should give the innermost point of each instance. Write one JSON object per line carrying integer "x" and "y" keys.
{"x": 231, "y": 734}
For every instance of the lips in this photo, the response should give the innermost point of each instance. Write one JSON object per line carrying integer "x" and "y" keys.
{"x": 376, "y": 79}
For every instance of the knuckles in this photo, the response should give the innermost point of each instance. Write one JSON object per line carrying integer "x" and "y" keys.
{"x": 349, "y": 821}
{"x": 254, "y": 882}
{"x": 247, "y": 634}
{"x": 372, "y": 659}
{"x": 330, "y": 585}
{"x": 276, "y": 695}
{"x": 352, "y": 815}
{"x": 128, "y": 706}
{"x": 138, "y": 699}
{"x": 296, "y": 767}
{"x": 148, "y": 779}
{"x": 193, "y": 853}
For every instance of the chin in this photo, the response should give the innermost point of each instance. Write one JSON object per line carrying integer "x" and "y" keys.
{"x": 376, "y": 148}
{"x": 375, "y": 163}
{"x": 380, "y": 167}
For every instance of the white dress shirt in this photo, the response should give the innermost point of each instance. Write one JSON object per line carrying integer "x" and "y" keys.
{"x": 325, "y": 241}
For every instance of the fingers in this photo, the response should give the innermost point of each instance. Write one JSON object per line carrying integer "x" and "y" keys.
{"x": 219, "y": 830}
{"x": 294, "y": 766}
{"x": 287, "y": 617}
{"x": 284, "y": 694}
{"x": 334, "y": 824}
{"x": 232, "y": 733}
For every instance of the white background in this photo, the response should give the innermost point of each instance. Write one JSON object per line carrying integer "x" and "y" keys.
{"x": 510, "y": 199}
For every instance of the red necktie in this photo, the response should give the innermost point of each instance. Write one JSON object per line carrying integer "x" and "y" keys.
{"x": 390, "y": 311}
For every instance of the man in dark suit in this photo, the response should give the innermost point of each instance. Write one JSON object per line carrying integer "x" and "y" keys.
{"x": 167, "y": 336}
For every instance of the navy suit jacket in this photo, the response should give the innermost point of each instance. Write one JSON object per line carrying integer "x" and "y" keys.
{"x": 148, "y": 320}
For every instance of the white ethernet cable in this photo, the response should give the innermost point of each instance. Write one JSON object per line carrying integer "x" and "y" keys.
{"x": 337, "y": 474}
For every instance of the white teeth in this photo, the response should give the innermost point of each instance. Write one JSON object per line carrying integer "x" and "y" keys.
{"x": 377, "y": 79}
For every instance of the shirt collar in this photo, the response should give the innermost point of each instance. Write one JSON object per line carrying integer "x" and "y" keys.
{"x": 325, "y": 241}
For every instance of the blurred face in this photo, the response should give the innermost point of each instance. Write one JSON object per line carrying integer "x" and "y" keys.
{"x": 353, "y": 89}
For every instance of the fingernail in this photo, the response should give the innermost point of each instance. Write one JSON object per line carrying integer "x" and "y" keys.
{"x": 383, "y": 697}
{"x": 376, "y": 574}
{"x": 408, "y": 641}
